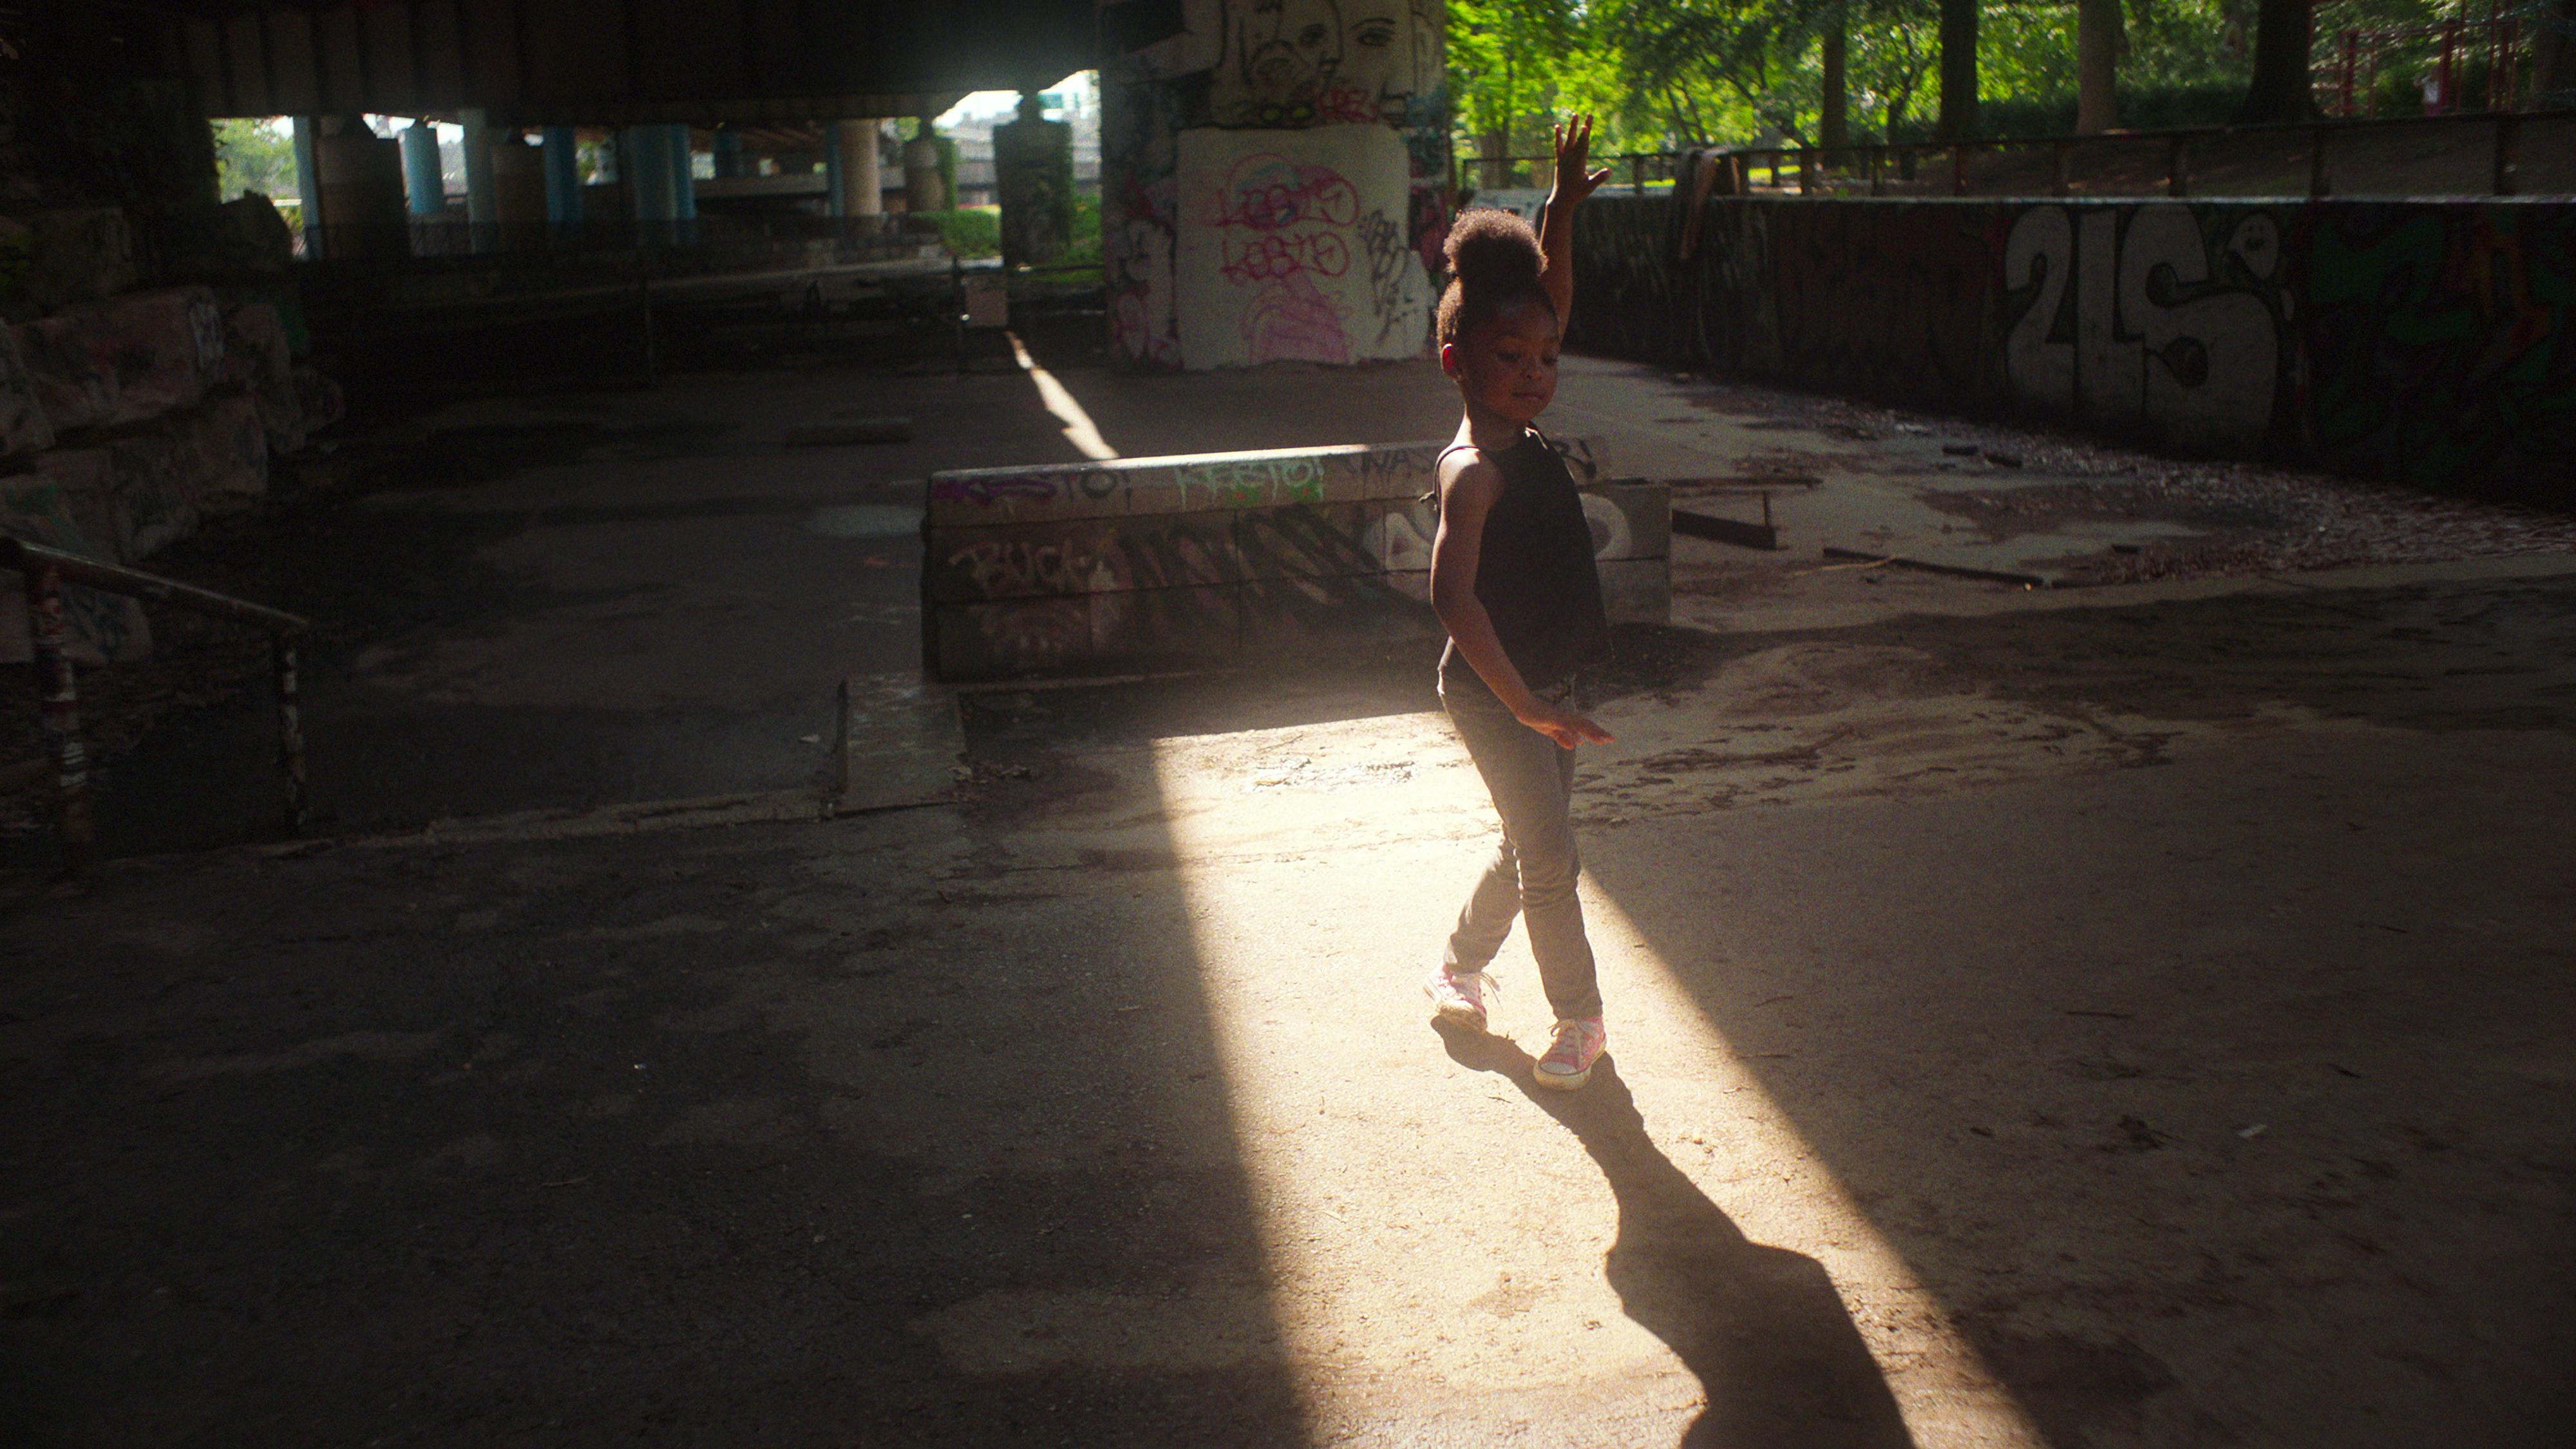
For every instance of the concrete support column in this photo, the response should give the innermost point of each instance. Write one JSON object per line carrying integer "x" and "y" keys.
{"x": 1033, "y": 162}
{"x": 482, "y": 206}
{"x": 728, "y": 148}
{"x": 422, "y": 186}
{"x": 563, "y": 176}
{"x": 646, "y": 162}
{"x": 922, "y": 188}
{"x": 360, "y": 180}
{"x": 858, "y": 186}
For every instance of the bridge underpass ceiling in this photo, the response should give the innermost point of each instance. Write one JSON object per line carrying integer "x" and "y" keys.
{"x": 625, "y": 62}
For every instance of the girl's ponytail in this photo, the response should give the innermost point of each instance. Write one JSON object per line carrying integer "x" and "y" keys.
{"x": 1494, "y": 260}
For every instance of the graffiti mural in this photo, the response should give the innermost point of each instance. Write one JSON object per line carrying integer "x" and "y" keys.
{"x": 2155, "y": 320}
{"x": 2427, "y": 340}
{"x": 1292, "y": 247}
{"x": 1329, "y": 90}
{"x": 2440, "y": 342}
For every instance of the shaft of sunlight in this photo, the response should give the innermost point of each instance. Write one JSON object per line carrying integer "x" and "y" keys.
{"x": 1434, "y": 1239}
{"x": 1078, "y": 428}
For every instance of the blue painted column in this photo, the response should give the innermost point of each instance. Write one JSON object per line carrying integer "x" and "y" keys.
{"x": 308, "y": 187}
{"x": 422, "y": 187}
{"x": 563, "y": 176}
{"x": 832, "y": 171}
{"x": 728, "y": 144}
{"x": 684, "y": 177}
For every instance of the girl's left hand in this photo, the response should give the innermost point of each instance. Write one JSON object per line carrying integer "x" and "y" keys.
{"x": 1574, "y": 178}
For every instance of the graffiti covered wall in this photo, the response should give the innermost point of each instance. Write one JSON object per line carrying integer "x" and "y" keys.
{"x": 1274, "y": 179}
{"x": 2423, "y": 340}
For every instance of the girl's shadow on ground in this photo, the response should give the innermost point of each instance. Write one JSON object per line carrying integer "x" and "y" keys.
{"x": 1779, "y": 1359}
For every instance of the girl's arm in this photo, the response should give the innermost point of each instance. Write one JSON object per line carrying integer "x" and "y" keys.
{"x": 1467, "y": 492}
{"x": 1574, "y": 181}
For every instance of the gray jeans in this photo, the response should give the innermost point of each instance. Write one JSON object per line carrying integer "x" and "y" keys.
{"x": 1533, "y": 872}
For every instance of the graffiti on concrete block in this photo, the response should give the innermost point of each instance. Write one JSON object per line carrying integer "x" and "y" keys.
{"x": 1250, "y": 482}
{"x": 1294, "y": 247}
{"x": 1048, "y": 485}
{"x": 996, "y": 569}
{"x": 2143, "y": 319}
{"x": 1323, "y": 85}
{"x": 985, "y": 488}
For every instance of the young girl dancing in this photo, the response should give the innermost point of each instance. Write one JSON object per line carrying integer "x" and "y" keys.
{"x": 1513, "y": 581}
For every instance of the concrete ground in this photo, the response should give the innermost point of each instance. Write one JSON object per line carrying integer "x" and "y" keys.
{"x": 2120, "y": 1016}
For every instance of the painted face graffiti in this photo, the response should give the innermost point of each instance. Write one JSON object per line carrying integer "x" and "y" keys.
{"x": 1285, "y": 53}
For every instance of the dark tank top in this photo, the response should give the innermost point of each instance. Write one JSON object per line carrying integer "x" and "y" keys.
{"x": 1534, "y": 571}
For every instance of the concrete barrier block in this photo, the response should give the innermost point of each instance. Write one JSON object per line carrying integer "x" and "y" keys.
{"x": 318, "y": 398}
{"x": 1153, "y": 629}
{"x": 1326, "y": 540}
{"x": 146, "y": 477}
{"x": 24, "y": 427}
{"x": 70, "y": 380}
{"x": 1637, "y": 590}
{"x": 223, "y": 453}
{"x": 1027, "y": 495}
{"x": 86, "y": 477}
{"x": 1404, "y": 531}
{"x": 1318, "y": 615}
{"x": 73, "y": 255}
{"x": 1630, "y": 520}
{"x": 1586, "y": 457}
{"x": 1018, "y": 639}
{"x": 257, "y": 358}
{"x": 1414, "y": 584}
{"x": 167, "y": 348}
{"x": 1267, "y": 479}
{"x": 241, "y": 238}
{"x": 125, "y": 360}
{"x": 1081, "y": 556}
{"x": 105, "y": 628}
{"x": 1390, "y": 471}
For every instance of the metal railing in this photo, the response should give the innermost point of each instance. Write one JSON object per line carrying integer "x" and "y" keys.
{"x": 46, "y": 572}
{"x": 1809, "y": 170}
{"x": 445, "y": 237}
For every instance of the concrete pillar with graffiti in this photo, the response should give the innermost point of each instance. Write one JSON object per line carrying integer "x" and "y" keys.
{"x": 1033, "y": 170}
{"x": 1274, "y": 179}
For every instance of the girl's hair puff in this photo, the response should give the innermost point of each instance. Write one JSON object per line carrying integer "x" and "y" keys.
{"x": 1494, "y": 261}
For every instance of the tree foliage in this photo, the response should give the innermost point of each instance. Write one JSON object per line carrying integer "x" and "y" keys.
{"x": 255, "y": 155}
{"x": 1667, "y": 74}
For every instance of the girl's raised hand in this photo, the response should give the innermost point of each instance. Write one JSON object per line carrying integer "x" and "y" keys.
{"x": 1574, "y": 178}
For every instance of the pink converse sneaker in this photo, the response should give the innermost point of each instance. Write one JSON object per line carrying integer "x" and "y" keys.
{"x": 1568, "y": 1063}
{"x": 1460, "y": 996}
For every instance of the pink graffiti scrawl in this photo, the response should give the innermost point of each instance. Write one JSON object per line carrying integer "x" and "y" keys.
{"x": 1285, "y": 225}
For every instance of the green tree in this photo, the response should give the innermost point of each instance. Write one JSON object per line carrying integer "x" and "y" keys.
{"x": 255, "y": 155}
{"x": 1506, "y": 61}
{"x": 2280, "y": 89}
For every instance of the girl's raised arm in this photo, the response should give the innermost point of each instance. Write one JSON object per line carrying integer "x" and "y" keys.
{"x": 1574, "y": 181}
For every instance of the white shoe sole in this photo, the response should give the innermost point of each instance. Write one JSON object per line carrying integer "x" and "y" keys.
{"x": 1457, "y": 1015}
{"x": 1561, "y": 1081}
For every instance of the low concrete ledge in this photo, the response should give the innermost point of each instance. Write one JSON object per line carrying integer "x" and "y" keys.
{"x": 1207, "y": 560}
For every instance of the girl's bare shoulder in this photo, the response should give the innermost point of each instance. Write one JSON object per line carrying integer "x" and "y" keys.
{"x": 1468, "y": 466}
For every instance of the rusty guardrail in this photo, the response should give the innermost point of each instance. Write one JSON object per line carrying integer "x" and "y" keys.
{"x": 1739, "y": 163}
{"x": 45, "y": 572}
